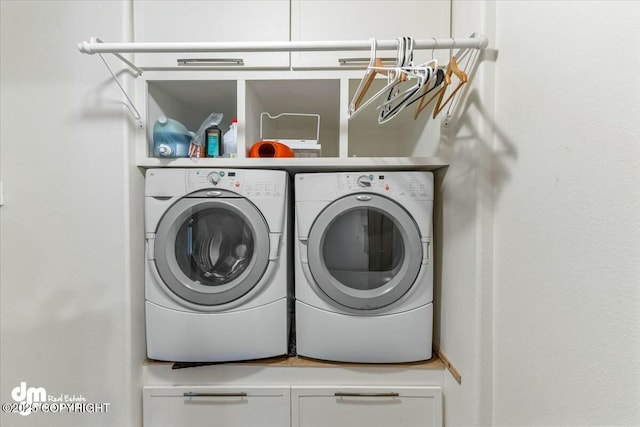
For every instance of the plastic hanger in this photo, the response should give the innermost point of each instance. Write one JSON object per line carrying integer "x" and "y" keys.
{"x": 396, "y": 100}
{"x": 405, "y": 55}
{"x": 394, "y": 75}
{"x": 434, "y": 79}
{"x": 440, "y": 78}
{"x": 423, "y": 74}
{"x": 377, "y": 67}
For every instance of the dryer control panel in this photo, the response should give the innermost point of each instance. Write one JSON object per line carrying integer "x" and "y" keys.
{"x": 391, "y": 183}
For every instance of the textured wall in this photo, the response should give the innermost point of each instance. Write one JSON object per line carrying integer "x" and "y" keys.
{"x": 64, "y": 293}
{"x": 567, "y": 235}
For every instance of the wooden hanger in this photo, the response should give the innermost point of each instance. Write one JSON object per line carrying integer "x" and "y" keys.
{"x": 377, "y": 68}
{"x": 452, "y": 68}
{"x": 437, "y": 84}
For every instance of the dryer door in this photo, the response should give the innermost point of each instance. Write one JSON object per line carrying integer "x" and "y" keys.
{"x": 212, "y": 251}
{"x": 364, "y": 251}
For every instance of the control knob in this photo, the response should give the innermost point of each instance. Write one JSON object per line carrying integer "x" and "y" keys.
{"x": 364, "y": 181}
{"x": 214, "y": 178}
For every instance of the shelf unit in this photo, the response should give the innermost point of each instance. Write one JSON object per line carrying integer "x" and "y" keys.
{"x": 190, "y": 95}
{"x": 345, "y": 144}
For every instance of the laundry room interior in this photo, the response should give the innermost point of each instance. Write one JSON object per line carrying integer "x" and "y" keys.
{"x": 533, "y": 233}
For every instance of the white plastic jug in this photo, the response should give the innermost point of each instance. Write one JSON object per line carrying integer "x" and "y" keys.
{"x": 230, "y": 140}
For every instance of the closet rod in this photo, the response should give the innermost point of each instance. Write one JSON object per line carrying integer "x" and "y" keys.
{"x": 94, "y": 45}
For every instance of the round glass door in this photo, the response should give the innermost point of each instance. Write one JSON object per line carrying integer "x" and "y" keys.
{"x": 364, "y": 251}
{"x": 211, "y": 252}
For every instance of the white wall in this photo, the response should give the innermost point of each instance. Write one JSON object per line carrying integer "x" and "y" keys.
{"x": 67, "y": 307}
{"x": 541, "y": 201}
{"x": 567, "y": 235}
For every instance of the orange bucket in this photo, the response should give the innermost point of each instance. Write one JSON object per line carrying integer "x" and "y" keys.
{"x": 270, "y": 149}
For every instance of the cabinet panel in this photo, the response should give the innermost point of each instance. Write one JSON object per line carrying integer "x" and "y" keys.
{"x": 212, "y": 21}
{"x": 362, "y": 19}
{"x": 209, "y": 406}
{"x": 366, "y": 406}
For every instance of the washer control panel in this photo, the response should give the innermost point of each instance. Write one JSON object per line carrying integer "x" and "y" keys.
{"x": 199, "y": 179}
{"x": 248, "y": 183}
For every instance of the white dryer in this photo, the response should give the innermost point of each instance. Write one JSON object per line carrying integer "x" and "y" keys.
{"x": 363, "y": 266}
{"x": 216, "y": 282}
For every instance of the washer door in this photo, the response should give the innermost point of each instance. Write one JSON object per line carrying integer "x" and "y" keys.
{"x": 212, "y": 251}
{"x": 364, "y": 251}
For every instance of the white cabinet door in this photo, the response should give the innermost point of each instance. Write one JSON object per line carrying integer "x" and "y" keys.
{"x": 212, "y": 21}
{"x": 199, "y": 406}
{"x": 366, "y": 406}
{"x": 314, "y": 20}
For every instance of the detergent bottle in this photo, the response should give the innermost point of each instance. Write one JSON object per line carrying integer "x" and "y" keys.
{"x": 170, "y": 138}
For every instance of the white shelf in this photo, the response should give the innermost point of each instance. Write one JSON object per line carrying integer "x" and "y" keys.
{"x": 300, "y": 164}
{"x": 403, "y": 143}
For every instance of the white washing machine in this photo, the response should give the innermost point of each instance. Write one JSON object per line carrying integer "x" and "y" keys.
{"x": 363, "y": 266}
{"x": 216, "y": 282}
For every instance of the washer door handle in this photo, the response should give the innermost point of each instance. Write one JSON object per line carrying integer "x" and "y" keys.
{"x": 303, "y": 249}
{"x": 363, "y": 197}
{"x": 151, "y": 243}
{"x": 274, "y": 246}
{"x": 426, "y": 249}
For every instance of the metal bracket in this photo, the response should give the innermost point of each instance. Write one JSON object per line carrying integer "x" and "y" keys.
{"x": 137, "y": 71}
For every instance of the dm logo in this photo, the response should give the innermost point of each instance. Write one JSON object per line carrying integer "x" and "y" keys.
{"x": 29, "y": 396}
